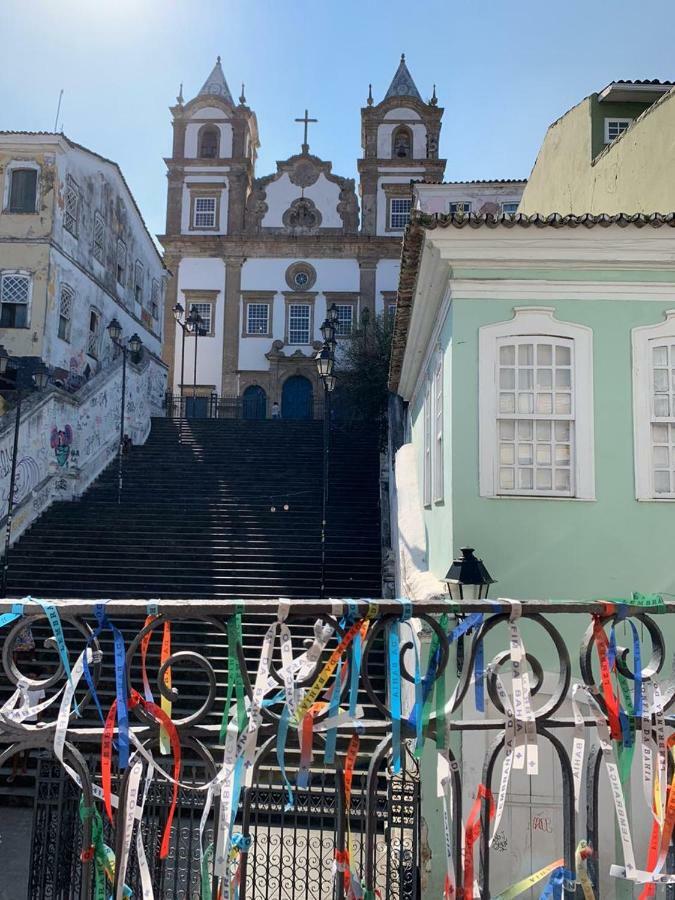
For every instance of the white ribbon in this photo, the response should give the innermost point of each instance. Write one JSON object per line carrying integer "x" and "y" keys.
{"x": 133, "y": 784}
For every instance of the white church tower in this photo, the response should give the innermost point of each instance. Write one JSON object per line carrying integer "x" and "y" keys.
{"x": 263, "y": 258}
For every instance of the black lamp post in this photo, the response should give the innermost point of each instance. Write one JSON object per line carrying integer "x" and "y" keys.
{"x": 26, "y": 379}
{"x": 178, "y": 314}
{"x": 325, "y": 363}
{"x": 194, "y": 323}
{"x": 467, "y": 580}
{"x": 133, "y": 346}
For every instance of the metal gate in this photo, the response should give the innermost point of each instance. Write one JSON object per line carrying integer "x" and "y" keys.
{"x": 292, "y": 852}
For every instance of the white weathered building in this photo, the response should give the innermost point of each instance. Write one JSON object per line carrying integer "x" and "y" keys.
{"x": 262, "y": 259}
{"x": 74, "y": 253}
{"x": 499, "y": 197}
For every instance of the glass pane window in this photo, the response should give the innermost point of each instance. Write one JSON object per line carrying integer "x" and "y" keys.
{"x": 72, "y": 207}
{"x": 205, "y": 212}
{"x": 94, "y": 333}
{"x": 462, "y": 207}
{"x": 535, "y": 416}
{"x": 438, "y": 432}
{"x": 154, "y": 299}
{"x": 65, "y": 312}
{"x": 427, "y": 447}
{"x": 99, "y": 238}
{"x": 399, "y": 212}
{"x": 257, "y": 321}
{"x": 205, "y": 310}
{"x": 510, "y": 208}
{"x": 615, "y": 127}
{"x": 298, "y": 323}
{"x": 345, "y": 319}
{"x": 14, "y": 297}
{"x": 23, "y": 191}
{"x": 663, "y": 418}
{"x": 121, "y": 261}
{"x": 138, "y": 282}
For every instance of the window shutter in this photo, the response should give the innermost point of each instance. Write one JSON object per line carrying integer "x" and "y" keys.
{"x": 23, "y": 190}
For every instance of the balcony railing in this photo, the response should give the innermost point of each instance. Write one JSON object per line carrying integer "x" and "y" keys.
{"x": 283, "y": 659}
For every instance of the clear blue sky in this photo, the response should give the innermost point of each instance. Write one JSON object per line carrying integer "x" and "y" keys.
{"x": 504, "y": 70}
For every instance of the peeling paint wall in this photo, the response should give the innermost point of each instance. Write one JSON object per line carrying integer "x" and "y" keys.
{"x": 66, "y": 440}
{"x": 40, "y": 244}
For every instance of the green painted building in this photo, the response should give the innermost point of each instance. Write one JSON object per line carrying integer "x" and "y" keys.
{"x": 537, "y": 362}
{"x": 613, "y": 152}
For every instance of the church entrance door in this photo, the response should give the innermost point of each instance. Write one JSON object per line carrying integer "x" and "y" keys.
{"x": 254, "y": 405}
{"x": 296, "y": 398}
{"x": 196, "y": 407}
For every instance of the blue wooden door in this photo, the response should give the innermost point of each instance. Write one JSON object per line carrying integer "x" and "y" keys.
{"x": 254, "y": 404}
{"x": 296, "y": 398}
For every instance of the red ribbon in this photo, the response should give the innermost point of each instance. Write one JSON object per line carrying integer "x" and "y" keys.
{"x": 472, "y": 833}
{"x": 611, "y": 701}
{"x": 106, "y": 759}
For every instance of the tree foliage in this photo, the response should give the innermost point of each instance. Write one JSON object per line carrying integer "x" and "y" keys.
{"x": 362, "y": 368}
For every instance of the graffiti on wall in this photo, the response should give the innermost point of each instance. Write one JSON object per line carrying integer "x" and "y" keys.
{"x": 60, "y": 443}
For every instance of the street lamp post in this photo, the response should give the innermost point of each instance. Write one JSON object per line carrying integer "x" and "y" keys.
{"x": 185, "y": 324}
{"x": 467, "y": 579}
{"x": 325, "y": 363}
{"x": 26, "y": 381}
{"x": 133, "y": 346}
{"x": 196, "y": 321}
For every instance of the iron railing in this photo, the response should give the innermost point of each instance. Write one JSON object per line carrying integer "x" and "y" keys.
{"x": 505, "y": 633}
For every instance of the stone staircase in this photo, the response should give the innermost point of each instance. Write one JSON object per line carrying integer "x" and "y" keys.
{"x": 212, "y": 509}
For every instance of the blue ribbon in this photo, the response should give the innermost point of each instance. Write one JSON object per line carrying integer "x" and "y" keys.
{"x": 55, "y": 622}
{"x": 16, "y": 613}
{"x": 395, "y": 695}
{"x": 282, "y": 732}
{"x": 471, "y": 621}
{"x": 120, "y": 682}
{"x": 556, "y": 881}
{"x": 333, "y": 710}
{"x": 622, "y": 616}
{"x": 354, "y": 673}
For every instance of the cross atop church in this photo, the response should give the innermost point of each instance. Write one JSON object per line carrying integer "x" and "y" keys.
{"x": 306, "y": 120}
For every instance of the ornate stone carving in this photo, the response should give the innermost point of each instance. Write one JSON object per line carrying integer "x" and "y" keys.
{"x": 348, "y": 207}
{"x": 256, "y": 207}
{"x": 302, "y": 216}
{"x": 300, "y": 276}
{"x": 304, "y": 173}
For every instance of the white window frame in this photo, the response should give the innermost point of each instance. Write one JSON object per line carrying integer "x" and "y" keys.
{"x": 94, "y": 346}
{"x": 121, "y": 254}
{"x": 399, "y": 213}
{"x": 207, "y": 311}
{"x": 9, "y": 169}
{"x": 537, "y": 321}
{"x": 340, "y": 329}
{"x": 19, "y": 273}
{"x": 616, "y": 120}
{"x": 257, "y": 305}
{"x": 139, "y": 272}
{"x": 154, "y": 298}
{"x": 99, "y": 232}
{"x": 437, "y": 426}
{"x": 510, "y": 203}
{"x": 426, "y": 451}
{"x": 212, "y": 213}
{"x": 643, "y": 339}
{"x": 294, "y": 306}
{"x": 68, "y": 294}
{"x": 71, "y": 207}
{"x": 466, "y": 204}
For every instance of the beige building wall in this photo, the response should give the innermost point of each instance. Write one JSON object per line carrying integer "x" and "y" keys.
{"x": 634, "y": 174}
{"x": 33, "y": 259}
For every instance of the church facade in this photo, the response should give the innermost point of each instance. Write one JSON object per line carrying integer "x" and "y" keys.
{"x": 261, "y": 259}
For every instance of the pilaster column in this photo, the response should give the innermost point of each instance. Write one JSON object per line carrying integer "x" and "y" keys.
{"x": 230, "y": 366}
{"x": 171, "y": 261}
{"x": 367, "y": 273}
{"x": 174, "y": 200}
{"x": 236, "y": 201}
{"x": 369, "y": 202}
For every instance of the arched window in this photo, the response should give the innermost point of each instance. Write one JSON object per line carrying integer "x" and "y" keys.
{"x": 208, "y": 142}
{"x": 402, "y": 143}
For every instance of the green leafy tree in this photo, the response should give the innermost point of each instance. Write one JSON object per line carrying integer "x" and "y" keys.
{"x": 362, "y": 368}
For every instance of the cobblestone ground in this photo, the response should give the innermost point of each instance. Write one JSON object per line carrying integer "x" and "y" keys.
{"x": 15, "y": 826}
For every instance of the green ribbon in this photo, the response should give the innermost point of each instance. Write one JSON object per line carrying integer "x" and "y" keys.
{"x": 652, "y": 601}
{"x": 437, "y": 691}
{"x": 235, "y": 683}
{"x": 104, "y": 858}
{"x": 205, "y": 876}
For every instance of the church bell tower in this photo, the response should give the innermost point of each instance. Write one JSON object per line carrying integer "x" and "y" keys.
{"x": 399, "y": 137}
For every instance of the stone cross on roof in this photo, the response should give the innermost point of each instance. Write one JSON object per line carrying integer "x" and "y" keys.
{"x": 306, "y": 120}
